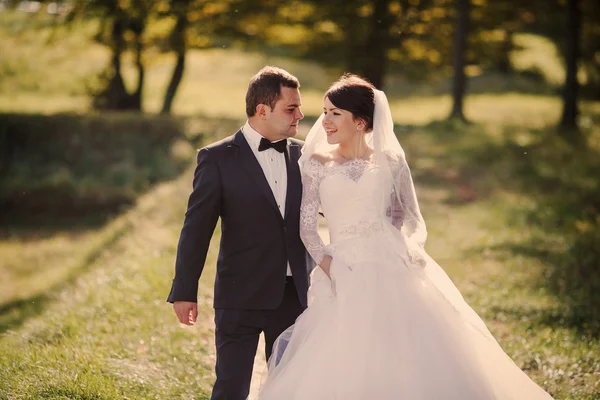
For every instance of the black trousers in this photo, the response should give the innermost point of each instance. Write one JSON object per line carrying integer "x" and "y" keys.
{"x": 236, "y": 337}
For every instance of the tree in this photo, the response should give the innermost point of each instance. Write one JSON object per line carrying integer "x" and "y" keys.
{"x": 204, "y": 23}
{"x": 459, "y": 49}
{"x": 361, "y": 36}
{"x": 179, "y": 45}
{"x": 374, "y": 55}
{"x": 590, "y": 47}
{"x": 572, "y": 53}
{"x": 114, "y": 94}
{"x": 120, "y": 20}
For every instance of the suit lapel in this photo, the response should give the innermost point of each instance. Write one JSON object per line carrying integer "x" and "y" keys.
{"x": 254, "y": 170}
{"x": 294, "y": 183}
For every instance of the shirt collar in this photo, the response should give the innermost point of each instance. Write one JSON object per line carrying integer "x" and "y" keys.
{"x": 252, "y": 136}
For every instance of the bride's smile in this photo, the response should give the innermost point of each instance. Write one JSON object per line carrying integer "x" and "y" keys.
{"x": 340, "y": 125}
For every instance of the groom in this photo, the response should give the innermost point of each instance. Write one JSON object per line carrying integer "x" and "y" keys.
{"x": 250, "y": 180}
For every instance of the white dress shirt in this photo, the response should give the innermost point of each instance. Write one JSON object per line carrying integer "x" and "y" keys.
{"x": 272, "y": 163}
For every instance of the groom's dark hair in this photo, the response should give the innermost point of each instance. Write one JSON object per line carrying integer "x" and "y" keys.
{"x": 265, "y": 87}
{"x": 355, "y": 94}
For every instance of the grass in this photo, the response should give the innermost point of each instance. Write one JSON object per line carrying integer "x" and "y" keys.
{"x": 482, "y": 199}
{"x": 108, "y": 334}
{"x": 63, "y": 255}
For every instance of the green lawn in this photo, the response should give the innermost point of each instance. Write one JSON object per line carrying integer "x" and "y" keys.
{"x": 108, "y": 333}
{"x": 492, "y": 227}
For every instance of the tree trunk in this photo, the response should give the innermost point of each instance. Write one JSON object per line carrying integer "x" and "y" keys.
{"x": 572, "y": 52}
{"x": 116, "y": 92}
{"x": 174, "y": 83}
{"x": 136, "y": 97}
{"x": 460, "y": 48}
{"x": 377, "y": 44}
{"x": 352, "y": 26}
{"x": 179, "y": 43}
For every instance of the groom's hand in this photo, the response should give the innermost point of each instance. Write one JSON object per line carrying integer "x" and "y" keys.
{"x": 187, "y": 312}
{"x": 326, "y": 265}
{"x": 395, "y": 210}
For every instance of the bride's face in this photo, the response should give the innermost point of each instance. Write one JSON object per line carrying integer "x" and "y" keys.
{"x": 340, "y": 126}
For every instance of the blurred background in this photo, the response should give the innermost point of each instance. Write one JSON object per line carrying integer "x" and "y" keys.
{"x": 104, "y": 103}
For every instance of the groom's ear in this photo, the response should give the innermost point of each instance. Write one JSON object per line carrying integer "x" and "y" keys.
{"x": 263, "y": 111}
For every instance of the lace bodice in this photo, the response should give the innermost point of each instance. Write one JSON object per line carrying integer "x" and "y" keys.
{"x": 353, "y": 199}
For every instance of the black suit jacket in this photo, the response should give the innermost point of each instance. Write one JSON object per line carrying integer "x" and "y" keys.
{"x": 256, "y": 241}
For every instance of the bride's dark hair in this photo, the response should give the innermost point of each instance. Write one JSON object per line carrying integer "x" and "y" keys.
{"x": 355, "y": 94}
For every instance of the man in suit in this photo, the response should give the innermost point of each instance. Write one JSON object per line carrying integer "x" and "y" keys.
{"x": 250, "y": 180}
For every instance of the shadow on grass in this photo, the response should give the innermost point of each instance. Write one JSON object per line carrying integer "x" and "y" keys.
{"x": 72, "y": 394}
{"x": 560, "y": 217}
{"x": 13, "y": 314}
{"x": 551, "y": 318}
{"x": 575, "y": 284}
{"x": 27, "y": 225}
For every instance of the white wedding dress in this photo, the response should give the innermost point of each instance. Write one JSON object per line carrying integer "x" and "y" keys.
{"x": 389, "y": 324}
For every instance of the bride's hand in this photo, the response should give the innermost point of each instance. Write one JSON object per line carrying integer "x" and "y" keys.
{"x": 326, "y": 265}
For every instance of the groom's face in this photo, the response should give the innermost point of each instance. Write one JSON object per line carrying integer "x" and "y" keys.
{"x": 283, "y": 119}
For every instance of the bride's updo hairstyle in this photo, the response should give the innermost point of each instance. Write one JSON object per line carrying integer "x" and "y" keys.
{"x": 355, "y": 94}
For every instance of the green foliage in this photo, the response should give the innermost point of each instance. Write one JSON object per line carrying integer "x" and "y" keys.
{"x": 44, "y": 56}
{"x": 337, "y": 34}
{"x": 417, "y": 39}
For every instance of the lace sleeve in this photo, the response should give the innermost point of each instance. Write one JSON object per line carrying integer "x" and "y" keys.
{"x": 309, "y": 210}
{"x": 412, "y": 221}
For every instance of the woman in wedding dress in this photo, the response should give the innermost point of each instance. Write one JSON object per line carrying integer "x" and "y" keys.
{"x": 384, "y": 321}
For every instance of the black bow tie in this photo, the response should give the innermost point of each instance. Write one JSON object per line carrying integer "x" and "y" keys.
{"x": 265, "y": 144}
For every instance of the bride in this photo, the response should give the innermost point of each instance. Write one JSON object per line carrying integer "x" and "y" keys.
{"x": 384, "y": 321}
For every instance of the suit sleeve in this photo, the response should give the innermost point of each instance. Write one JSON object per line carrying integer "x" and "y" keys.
{"x": 204, "y": 208}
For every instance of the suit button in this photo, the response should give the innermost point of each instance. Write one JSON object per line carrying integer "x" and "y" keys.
{"x": 285, "y": 229}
